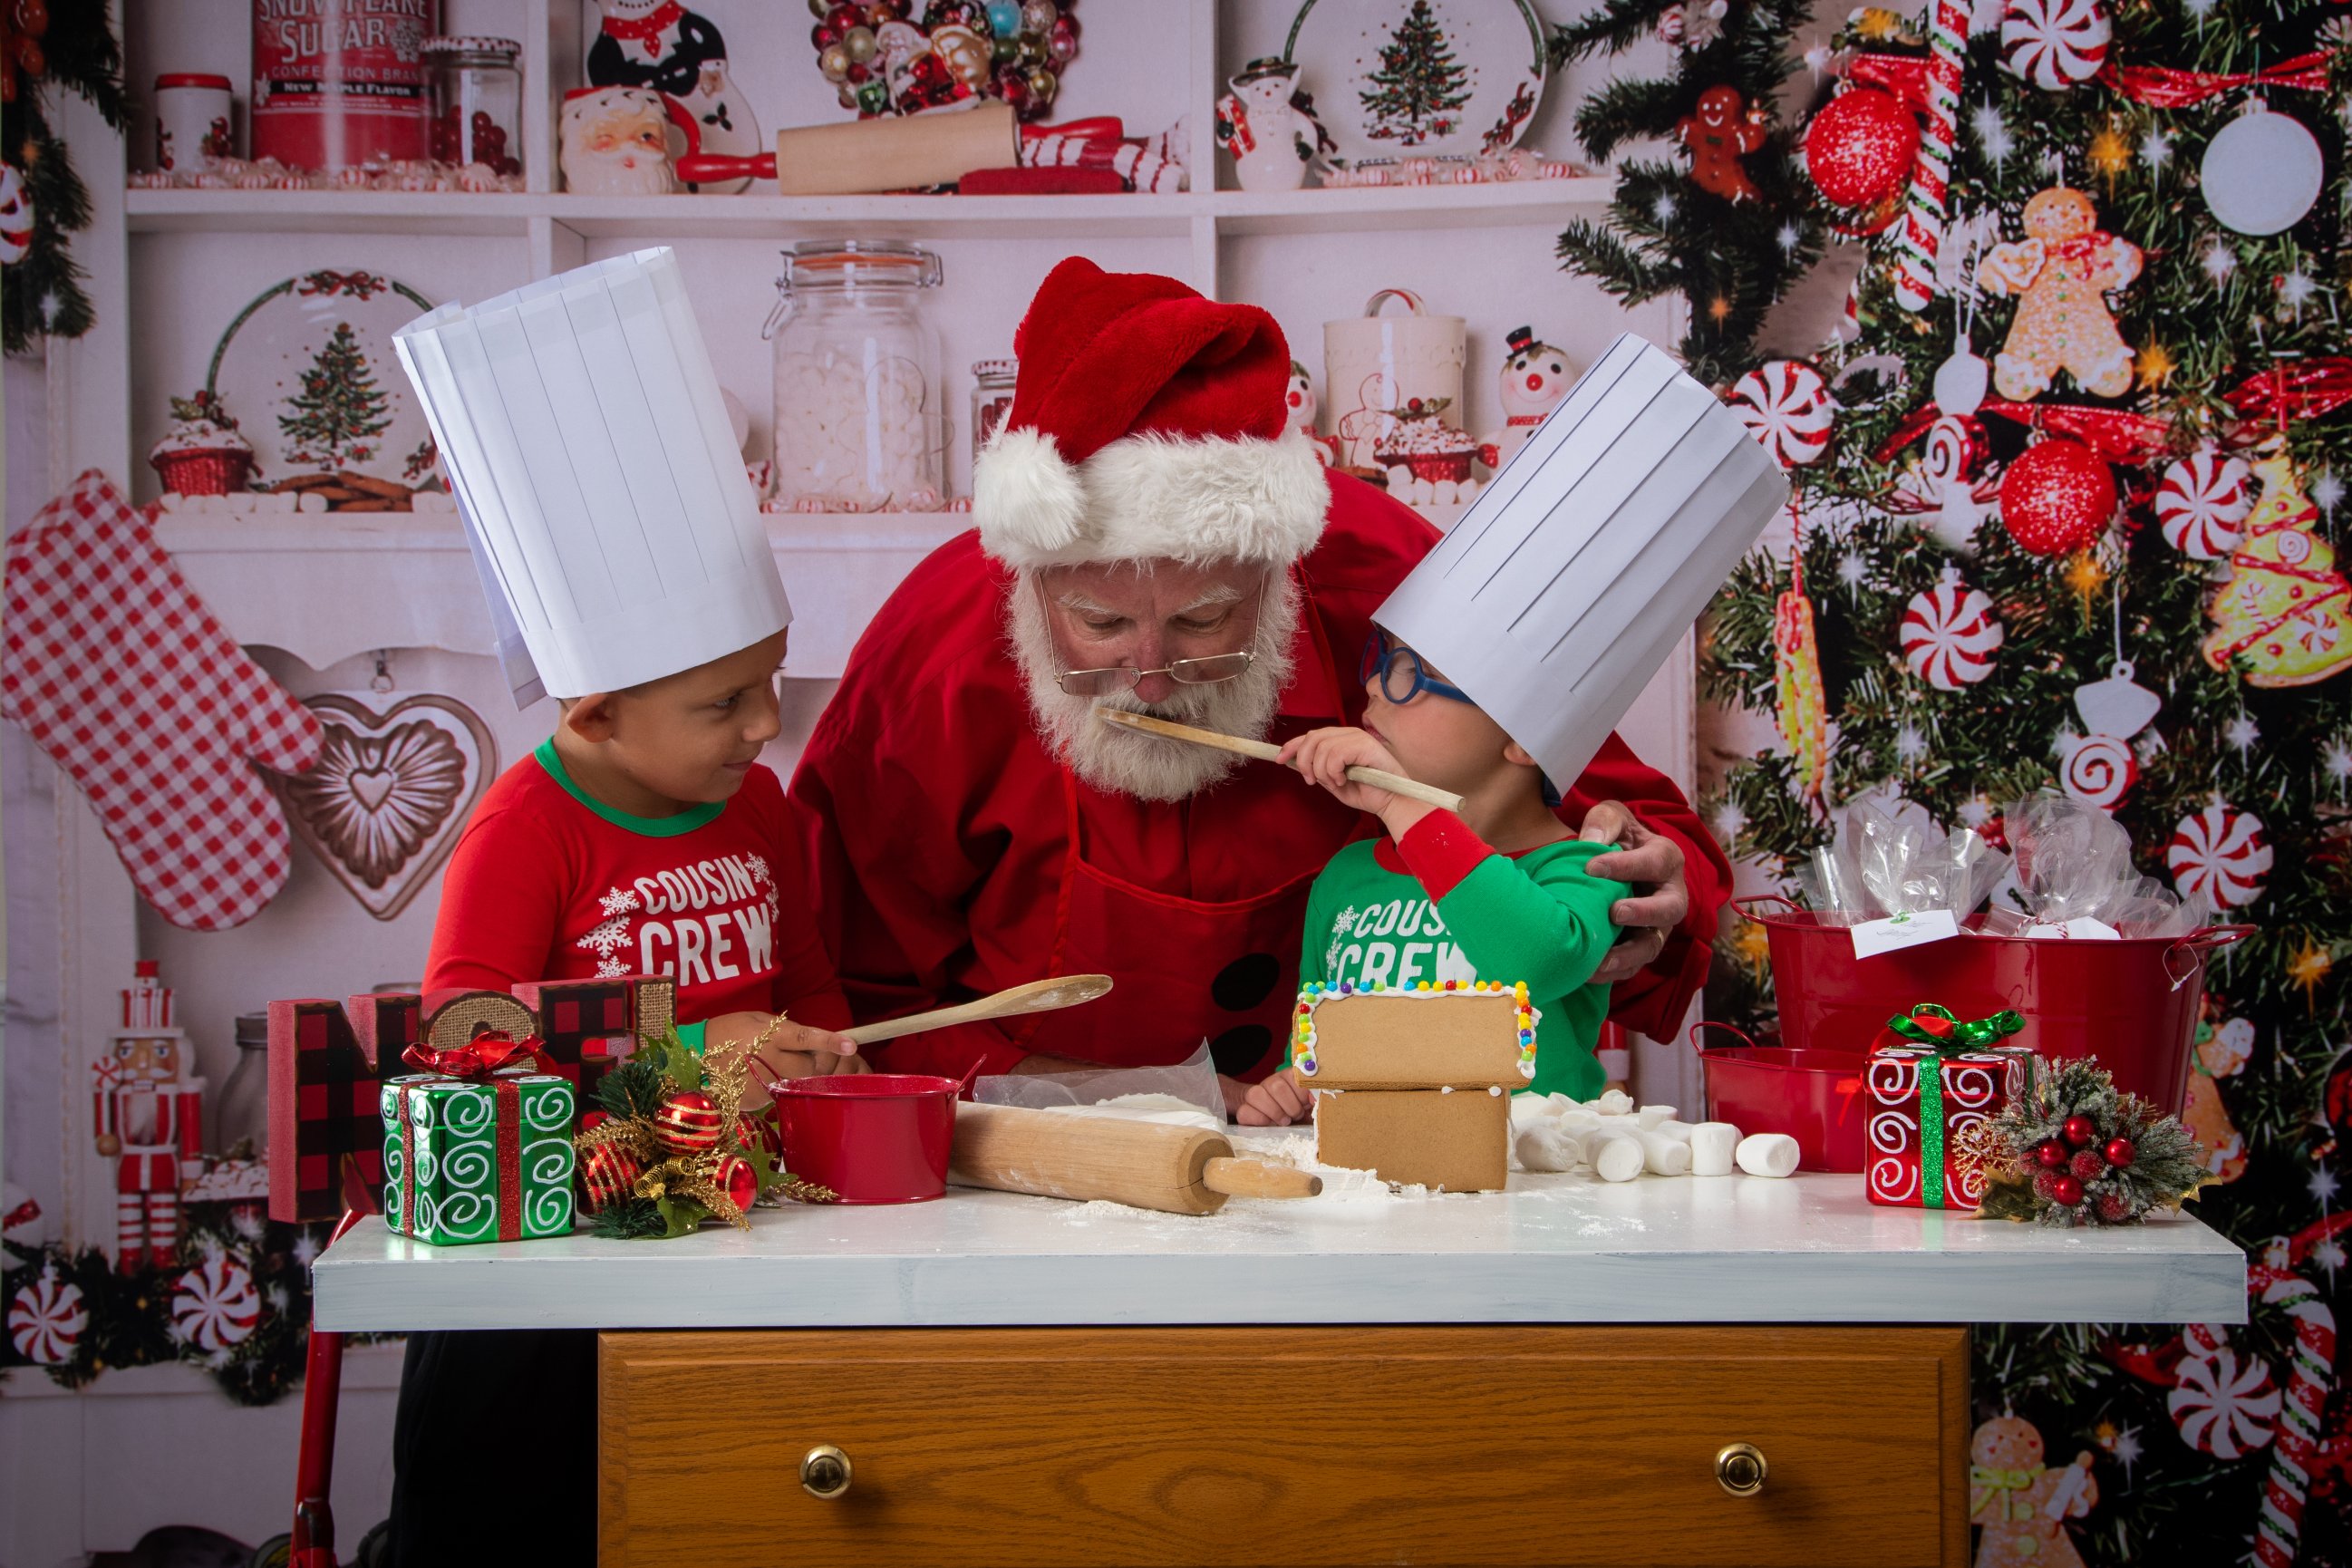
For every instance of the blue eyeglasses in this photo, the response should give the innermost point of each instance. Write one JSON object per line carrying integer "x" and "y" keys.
{"x": 1402, "y": 675}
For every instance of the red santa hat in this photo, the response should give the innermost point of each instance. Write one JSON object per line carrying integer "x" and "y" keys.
{"x": 1148, "y": 423}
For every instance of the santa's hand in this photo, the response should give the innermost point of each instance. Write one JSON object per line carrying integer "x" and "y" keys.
{"x": 1653, "y": 863}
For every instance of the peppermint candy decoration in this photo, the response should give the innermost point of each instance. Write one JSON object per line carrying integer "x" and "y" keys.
{"x": 1950, "y": 633}
{"x": 1786, "y": 406}
{"x": 2099, "y": 771}
{"x": 2201, "y": 502}
{"x": 214, "y": 1305}
{"x": 2219, "y": 854}
{"x": 2054, "y": 44}
{"x": 45, "y": 1321}
{"x": 2223, "y": 1408}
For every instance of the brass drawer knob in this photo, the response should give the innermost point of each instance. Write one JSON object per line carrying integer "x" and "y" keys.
{"x": 1739, "y": 1466}
{"x": 824, "y": 1472}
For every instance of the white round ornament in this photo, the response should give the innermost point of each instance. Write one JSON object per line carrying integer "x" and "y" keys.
{"x": 2221, "y": 854}
{"x": 45, "y": 1321}
{"x": 2054, "y": 44}
{"x": 2098, "y": 770}
{"x": 2223, "y": 1408}
{"x": 2262, "y": 172}
{"x": 1788, "y": 407}
{"x": 1961, "y": 382}
{"x": 214, "y": 1305}
{"x": 2201, "y": 503}
{"x": 1950, "y": 634}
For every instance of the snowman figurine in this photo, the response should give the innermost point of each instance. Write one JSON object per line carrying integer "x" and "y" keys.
{"x": 1269, "y": 127}
{"x": 1536, "y": 378}
{"x": 661, "y": 45}
{"x": 1303, "y": 410}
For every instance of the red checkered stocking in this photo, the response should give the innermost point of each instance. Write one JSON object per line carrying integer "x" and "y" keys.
{"x": 120, "y": 673}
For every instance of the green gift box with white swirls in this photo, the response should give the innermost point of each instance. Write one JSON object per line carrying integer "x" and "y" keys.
{"x": 478, "y": 1159}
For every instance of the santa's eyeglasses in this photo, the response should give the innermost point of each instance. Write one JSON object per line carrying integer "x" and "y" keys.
{"x": 1119, "y": 677}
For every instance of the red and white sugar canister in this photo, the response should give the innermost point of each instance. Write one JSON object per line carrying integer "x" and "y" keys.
{"x": 195, "y": 120}
{"x": 337, "y": 83}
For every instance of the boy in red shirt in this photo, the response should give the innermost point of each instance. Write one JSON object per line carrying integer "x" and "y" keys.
{"x": 628, "y": 573}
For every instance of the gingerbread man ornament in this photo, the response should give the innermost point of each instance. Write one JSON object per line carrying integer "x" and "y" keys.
{"x": 1718, "y": 133}
{"x": 2061, "y": 273}
{"x": 2022, "y": 1504}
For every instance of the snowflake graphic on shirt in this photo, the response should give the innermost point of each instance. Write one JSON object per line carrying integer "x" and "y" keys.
{"x": 607, "y": 938}
{"x": 620, "y": 901}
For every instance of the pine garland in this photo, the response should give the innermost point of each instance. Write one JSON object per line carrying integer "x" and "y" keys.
{"x": 42, "y": 293}
{"x": 2164, "y": 1166}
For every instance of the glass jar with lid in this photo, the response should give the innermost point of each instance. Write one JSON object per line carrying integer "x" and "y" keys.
{"x": 476, "y": 92}
{"x": 992, "y": 398}
{"x": 858, "y": 422}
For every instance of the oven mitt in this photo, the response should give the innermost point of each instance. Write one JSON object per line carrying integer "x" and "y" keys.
{"x": 121, "y": 674}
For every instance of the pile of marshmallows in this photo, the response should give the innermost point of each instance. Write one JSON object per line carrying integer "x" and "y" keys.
{"x": 1621, "y": 1140}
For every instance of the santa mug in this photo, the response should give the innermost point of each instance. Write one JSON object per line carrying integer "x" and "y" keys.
{"x": 194, "y": 120}
{"x": 616, "y": 142}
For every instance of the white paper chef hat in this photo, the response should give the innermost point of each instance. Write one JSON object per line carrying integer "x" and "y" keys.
{"x": 588, "y": 443}
{"x": 1566, "y": 584}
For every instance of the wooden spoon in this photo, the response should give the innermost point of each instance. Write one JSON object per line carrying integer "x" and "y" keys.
{"x": 1037, "y": 996}
{"x": 1395, "y": 783}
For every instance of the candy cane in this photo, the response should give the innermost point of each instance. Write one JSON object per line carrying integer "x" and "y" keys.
{"x": 2281, "y": 1525}
{"x": 1923, "y": 221}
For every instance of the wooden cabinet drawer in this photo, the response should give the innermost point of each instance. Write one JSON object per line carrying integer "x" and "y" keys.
{"x": 1044, "y": 1448}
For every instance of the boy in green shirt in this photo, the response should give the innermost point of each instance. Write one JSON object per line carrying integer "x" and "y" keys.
{"x": 1497, "y": 893}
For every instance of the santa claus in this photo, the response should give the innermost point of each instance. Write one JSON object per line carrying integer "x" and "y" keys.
{"x": 615, "y": 142}
{"x": 1151, "y": 535}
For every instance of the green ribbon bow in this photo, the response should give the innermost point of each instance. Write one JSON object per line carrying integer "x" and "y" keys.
{"x": 2009, "y": 1486}
{"x": 1934, "y": 1029}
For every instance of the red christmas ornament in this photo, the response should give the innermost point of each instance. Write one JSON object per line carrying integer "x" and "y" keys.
{"x": 2088, "y": 1165}
{"x": 1861, "y": 147}
{"x": 2079, "y": 1129}
{"x": 2114, "y": 1208}
{"x": 2045, "y": 1184}
{"x": 758, "y": 1129}
{"x": 736, "y": 1178}
{"x": 2120, "y": 1152}
{"x": 2065, "y": 1191}
{"x": 688, "y": 1123}
{"x": 2051, "y": 1154}
{"x": 606, "y": 1174}
{"x": 2057, "y": 496}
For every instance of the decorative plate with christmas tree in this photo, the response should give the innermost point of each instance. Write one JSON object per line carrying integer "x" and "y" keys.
{"x": 1420, "y": 79}
{"x": 309, "y": 373}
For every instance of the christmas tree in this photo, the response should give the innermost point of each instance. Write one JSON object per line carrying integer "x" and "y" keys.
{"x": 340, "y": 407}
{"x": 71, "y": 46}
{"x": 2068, "y": 522}
{"x": 1420, "y": 84}
{"x": 1729, "y": 245}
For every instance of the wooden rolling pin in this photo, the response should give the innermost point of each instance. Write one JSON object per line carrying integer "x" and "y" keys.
{"x": 856, "y": 157}
{"x": 1395, "y": 783}
{"x": 1145, "y": 1164}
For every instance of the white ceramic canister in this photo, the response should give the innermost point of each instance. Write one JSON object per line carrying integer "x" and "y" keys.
{"x": 1377, "y": 362}
{"x": 195, "y": 120}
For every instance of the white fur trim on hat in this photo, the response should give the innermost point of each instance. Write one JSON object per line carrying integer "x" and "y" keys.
{"x": 1148, "y": 497}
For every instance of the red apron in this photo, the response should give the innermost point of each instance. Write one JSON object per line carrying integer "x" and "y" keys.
{"x": 1188, "y": 970}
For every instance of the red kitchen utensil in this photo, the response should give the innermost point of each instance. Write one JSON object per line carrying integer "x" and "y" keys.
{"x": 1813, "y": 1096}
{"x": 872, "y": 1138}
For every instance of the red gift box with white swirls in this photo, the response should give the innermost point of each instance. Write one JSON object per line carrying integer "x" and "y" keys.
{"x": 1977, "y": 1086}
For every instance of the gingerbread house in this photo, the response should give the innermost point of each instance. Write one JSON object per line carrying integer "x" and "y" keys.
{"x": 1415, "y": 1085}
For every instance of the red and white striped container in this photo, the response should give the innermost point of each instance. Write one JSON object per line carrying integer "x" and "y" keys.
{"x": 337, "y": 83}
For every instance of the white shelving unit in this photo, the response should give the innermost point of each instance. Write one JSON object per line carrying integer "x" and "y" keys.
{"x": 315, "y": 596}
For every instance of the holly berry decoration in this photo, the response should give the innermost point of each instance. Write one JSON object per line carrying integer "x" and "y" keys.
{"x": 1860, "y": 148}
{"x": 2050, "y": 1155}
{"x": 2057, "y": 498}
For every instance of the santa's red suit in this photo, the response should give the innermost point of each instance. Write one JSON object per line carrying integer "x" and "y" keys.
{"x": 159, "y": 1125}
{"x": 954, "y": 855}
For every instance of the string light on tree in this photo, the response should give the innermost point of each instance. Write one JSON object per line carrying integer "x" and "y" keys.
{"x": 2295, "y": 290}
{"x": 2220, "y": 261}
{"x": 2336, "y": 758}
{"x": 1992, "y": 133}
{"x": 1662, "y": 209}
{"x": 2154, "y": 151}
{"x": 2241, "y": 733}
{"x": 2328, "y": 493}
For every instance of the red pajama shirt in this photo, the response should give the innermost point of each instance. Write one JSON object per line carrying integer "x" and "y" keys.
{"x": 549, "y": 883}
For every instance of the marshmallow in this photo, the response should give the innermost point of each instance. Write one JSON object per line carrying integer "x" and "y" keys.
{"x": 1670, "y": 1128}
{"x": 1547, "y": 1148}
{"x": 1580, "y": 1121}
{"x": 1560, "y": 1103}
{"x": 1711, "y": 1147}
{"x": 1652, "y": 1115}
{"x": 1529, "y": 1110}
{"x": 1665, "y": 1156}
{"x": 1614, "y": 1103}
{"x": 1766, "y": 1155}
{"x": 1618, "y": 1159}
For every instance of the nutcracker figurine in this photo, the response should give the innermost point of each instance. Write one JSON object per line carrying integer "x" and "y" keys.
{"x": 149, "y": 1121}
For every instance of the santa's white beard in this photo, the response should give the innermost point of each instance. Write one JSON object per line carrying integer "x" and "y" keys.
{"x": 1128, "y": 762}
{"x": 631, "y": 170}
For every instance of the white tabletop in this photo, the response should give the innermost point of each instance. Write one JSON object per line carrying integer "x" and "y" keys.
{"x": 1553, "y": 1248}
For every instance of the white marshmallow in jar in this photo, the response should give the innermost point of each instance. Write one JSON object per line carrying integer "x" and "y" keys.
{"x": 859, "y": 421}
